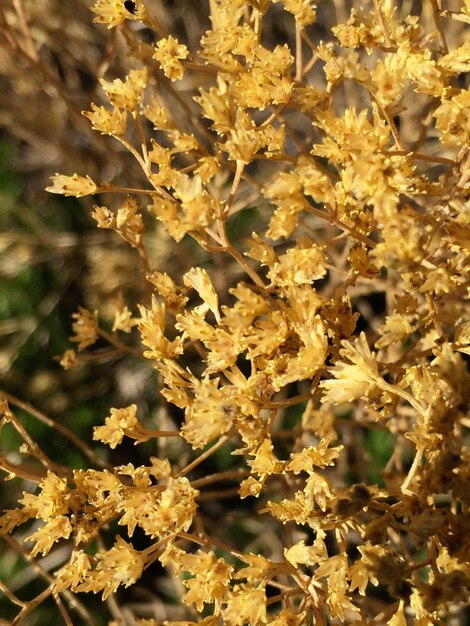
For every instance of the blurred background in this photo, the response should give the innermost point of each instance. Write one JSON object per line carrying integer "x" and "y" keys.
{"x": 53, "y": 259}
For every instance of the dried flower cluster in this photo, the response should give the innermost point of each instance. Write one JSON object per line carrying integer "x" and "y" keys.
{"x": 352, "y": 143}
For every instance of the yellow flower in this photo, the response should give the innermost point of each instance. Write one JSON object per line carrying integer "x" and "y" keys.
{"x": 74, "y": 185}
{"x": 73, "y": 573}
{"x": 318, "y": 456}
{"x": 307, "y": 555}
{"x": 301, "y": 265}
{"x": 158, "y": 512}
{"x": 173, "y": 295}
{"x": 56, "y": 528}
{"x": 195, "y": 210}
{"x": 69, "y": 360}
{"x": 244, "y": 139}
{"x": 106, "y": 121}
{"x": 396, "y": 330}
{"x": 304, "y": 11}
{"x": 151, "y": 326}
{"x": 121, "y": 565}
{"x": 114, "y": 12}
{"x": 209, "y": 415}
{"x": 355, "y": 378}
{"x": 210, "y": 582}
{"x": 457, "y": 61}
{"x": 199, "y": 279}
{"x": 169, "y": 53}
{"x": 51, "y": 501}
{"x": 116, "y": 426}
{"x": 158, "y": 115}
{"x": 216, "y": 106}
{"x": 85, "y": 328}
{"x": 126, "y": 94}
{"x": 123, "y": 319}
{"x": 245, "y": 605}
{"x": 452, "y": 119}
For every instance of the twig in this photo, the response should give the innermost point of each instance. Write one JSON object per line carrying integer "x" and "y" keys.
{"x": 63, "y": 430}
{"x": 205, "y": 455}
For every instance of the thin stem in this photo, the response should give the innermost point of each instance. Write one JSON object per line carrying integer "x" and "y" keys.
{"x": 119, "y": 344}
{"x": 413, "y": 469}
{"x": 228, "y": 475}
{"x": 217, "y": 494}
{"x": 329, "y": 217}
{"x": 108, "y": 188}
{"x": 420, "y": 157}
{"x": 393, "y": 389}
{"x": 227, "y": 247}
{"x": 32, "y": 52}
{"x": 72, "y": 599}
{"x": 143, "y": 140}
{"x": 33, "y": 447}
{"x": 63, "y": 430}
{"x": 32, "y": 604}
{"x": 16, "y": 471}
{"x": 62, "y": 609}
{"x": 392, "y": 126}
{"x": 205, "y": 455}
{"x": 150, "y": 434}
{"x": 440, "y": 31}
{"x": 10, "y": 595}
{"x": 380, "y": 18}
{"x": 235, "y": 185}
{"x": 298, "y": 53}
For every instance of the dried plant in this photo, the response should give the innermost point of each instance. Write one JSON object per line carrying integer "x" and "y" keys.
{"x": 343, "y": 315}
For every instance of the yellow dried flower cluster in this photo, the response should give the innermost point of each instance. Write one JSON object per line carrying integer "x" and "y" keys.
{"x": 353, "y": 144}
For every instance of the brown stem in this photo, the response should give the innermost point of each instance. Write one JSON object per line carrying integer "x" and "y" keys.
{"x": 202, "y": 457}
{"x": 63, "y": 430}
{"x": 119, "y": 344}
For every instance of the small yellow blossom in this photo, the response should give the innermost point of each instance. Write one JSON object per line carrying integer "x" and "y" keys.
{"x": 354, "y": 379}
{"x": 152, "y": 328}
{"x": 169, "y": 53}
{"x": 210, "y": 582}
{"x": 69, "y": 360}
{"x": 114, "y": 12}
{"x": 73, "y": 573}
{"x": 304, "y": 11}
{"x": 452, "y": 119}
{"x": 320, "y": 456}
{"x": 209, "y": 415}
{"x": 85, "y": 328}
{"x": 257, "y": 567}
{"x": 123, "y": 319}
{"x": 300, "y": 265}
{"x": 207, "y": 168}
{"x": 158, "y": 115}
{"x": 196, "y": 208}
{"x": 160, "y": 512}
{"x": 116, "y": 425}
{"x": 199, "y": 279}
{"x": 51, "y": 501}
{"x": 307, "y": 555}
{"x": 121, "y": 565}
{"x": 244, "y": 140}
{"x": 74, "y": 185}
{"x": 173, "y": 295}
{"x": 126, "y": 94}
{"x": 216, "y": 106}
{"x": 107, "y": 122}
{"x": 457, "y": 61}
{"x": 245, "y": 605}
{"x": 56, "y": 528}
